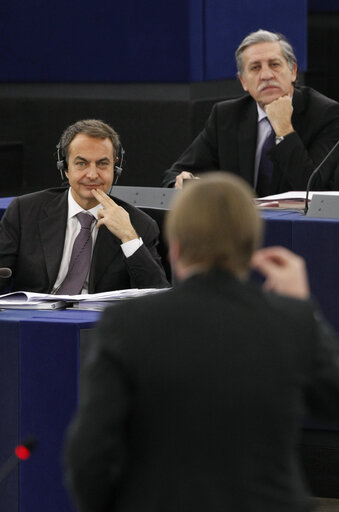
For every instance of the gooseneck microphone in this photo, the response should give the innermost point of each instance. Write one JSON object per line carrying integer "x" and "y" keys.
{"x": 310, "y": 179}
{"x": 22, "y": 452}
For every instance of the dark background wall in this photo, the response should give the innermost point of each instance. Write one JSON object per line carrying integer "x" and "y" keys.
{"x": 152, "y": 69}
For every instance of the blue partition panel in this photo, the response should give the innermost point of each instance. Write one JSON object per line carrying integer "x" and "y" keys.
{"x": 133, "y": 41}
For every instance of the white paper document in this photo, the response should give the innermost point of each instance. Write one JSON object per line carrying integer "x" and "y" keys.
{"x": 298, "y": 194}
{"x": 33, "y": 299}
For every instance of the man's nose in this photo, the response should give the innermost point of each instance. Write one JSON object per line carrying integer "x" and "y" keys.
{"x": 92, "y": 171}
{"x": 266, "y": 73}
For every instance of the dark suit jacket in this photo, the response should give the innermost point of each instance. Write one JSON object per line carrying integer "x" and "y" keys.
{"x": 32, "y": 233}
{"x": 228, "y": 142}
{"x": 196, "y": 405}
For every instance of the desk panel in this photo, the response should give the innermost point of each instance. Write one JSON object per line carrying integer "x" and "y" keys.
{"x": 39, "y": 372}
{"x": 317, "y": 240}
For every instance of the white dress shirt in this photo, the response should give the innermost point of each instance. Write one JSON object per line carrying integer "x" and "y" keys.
{"x": 72, "y": 230}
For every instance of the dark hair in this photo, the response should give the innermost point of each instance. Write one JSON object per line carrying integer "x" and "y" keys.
{"x": 91, "y": 127}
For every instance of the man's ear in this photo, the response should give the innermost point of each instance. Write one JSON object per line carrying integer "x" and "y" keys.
{"x": 242, "y": 81}
{"x": 294, "y": 72}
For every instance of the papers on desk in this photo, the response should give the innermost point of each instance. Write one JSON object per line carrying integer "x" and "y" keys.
{"x": 288, "y": 200}
{"x": 95, "y": 301}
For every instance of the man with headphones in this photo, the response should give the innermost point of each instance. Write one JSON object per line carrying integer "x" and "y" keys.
{"x": 79, "y": 239}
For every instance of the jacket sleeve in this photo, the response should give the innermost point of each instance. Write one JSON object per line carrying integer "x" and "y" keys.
{"x": 200, "y": 156}
{"x": 298, "y": 155}
{"x": 144, "y": 266}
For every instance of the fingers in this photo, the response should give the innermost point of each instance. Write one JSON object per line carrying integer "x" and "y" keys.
{"x": 184, "y": 175}
{"x": 284, "y": 271}
{"x": 271, "y": 256}
{"x": 279, "y": 113}
{"x": 103, "y": 198}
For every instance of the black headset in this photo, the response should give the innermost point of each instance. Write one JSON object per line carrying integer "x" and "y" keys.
{"x": 62, "y": 164}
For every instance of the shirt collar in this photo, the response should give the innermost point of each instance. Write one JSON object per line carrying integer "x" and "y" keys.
{"x": 74, "y": 208}
{"x": 261, "y": 113}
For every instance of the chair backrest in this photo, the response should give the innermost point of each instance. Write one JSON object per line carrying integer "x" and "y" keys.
{"x": 155, "y": 202}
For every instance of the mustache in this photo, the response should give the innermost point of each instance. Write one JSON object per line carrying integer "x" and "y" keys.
{"x": 268, "y": 83}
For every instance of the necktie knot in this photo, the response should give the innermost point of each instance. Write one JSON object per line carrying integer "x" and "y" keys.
{"x": 85, "y": 220}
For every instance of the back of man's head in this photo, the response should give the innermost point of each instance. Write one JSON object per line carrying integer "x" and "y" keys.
{"x": 214, "y": 223}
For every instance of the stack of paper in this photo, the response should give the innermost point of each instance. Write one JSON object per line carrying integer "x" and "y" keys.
{"x": 30, "y": 300}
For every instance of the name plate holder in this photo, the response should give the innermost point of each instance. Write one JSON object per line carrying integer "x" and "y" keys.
{"x": 146, "y": 197}
{"x": 324, "y": 206}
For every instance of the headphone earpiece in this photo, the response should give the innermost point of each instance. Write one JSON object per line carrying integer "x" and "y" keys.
{"x": 118, "y": 164}
{"x": 61, "y": 162}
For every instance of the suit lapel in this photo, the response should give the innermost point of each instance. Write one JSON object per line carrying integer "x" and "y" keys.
{"x": 52, "y": 227}
{"x": 106, "y": 249}
{"x": 247, "y": 143}
{"x": 298, "y": 107}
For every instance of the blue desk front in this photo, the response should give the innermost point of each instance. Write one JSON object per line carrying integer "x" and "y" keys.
{"x": 39, "y": 376}
{"x": 317, "y": 240}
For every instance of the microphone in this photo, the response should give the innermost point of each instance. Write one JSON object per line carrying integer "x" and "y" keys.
{"x": 310, "y": 179}
{"x": 5, "y": 272}
{"x": 22, "y": 452}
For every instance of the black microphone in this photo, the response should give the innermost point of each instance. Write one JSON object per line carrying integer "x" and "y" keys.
{"x": 5, "y": 272}
{"x": 310, "y": 179}
{"x": 22, "y": 452}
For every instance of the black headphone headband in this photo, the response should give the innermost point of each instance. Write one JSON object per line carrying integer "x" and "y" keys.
{"x": 62, "y": 164}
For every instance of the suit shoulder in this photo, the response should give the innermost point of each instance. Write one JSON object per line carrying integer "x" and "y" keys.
{"x": 41, "y": 196}
{"x": 292, "y": 308}
{"x": 315, "y": 100}
{"x": 35, "y": 200}
{"x": 234, "y": 104}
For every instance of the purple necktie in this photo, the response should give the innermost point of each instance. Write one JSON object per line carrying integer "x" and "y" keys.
{"x": 80, "y": 258}
{"x": 266, "y": 165}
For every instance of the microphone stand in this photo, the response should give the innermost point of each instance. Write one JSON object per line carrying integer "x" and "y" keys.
{"x": 308, "y": 187}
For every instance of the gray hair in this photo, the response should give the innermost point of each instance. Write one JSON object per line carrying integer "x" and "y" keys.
{"x": 264, "y": 36}
{"x": 92, "y": 128}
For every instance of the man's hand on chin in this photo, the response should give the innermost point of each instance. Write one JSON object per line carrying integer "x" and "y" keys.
{"x": 279, "y": 113}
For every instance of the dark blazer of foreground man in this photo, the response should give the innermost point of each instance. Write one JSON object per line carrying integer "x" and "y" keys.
{"x": 33, "y": 228}
{"x": 305, "y": 123}
{"x": 196, "y": 404}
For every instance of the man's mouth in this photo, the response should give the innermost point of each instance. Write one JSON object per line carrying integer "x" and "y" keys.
{"x": 92, "y": 185}
{"x": 268, "y": 86}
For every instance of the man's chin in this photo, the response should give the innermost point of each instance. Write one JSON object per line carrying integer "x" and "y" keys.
{"x": 266, "y": 99}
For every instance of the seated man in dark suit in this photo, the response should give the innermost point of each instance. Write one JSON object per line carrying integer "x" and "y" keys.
{"x": 50, "y": 247}
{"x": 197, "y": 403}
{"x": 275, "y": 136}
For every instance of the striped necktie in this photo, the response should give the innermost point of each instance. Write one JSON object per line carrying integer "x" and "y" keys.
{"x": 80, "y": 258}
